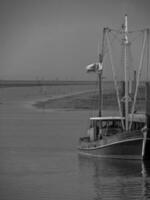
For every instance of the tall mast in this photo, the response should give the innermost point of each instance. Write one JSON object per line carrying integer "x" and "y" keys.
{"x": 100, "y": 92}
{"x": 125, "y": 42}
{"x": 101, "y": 56}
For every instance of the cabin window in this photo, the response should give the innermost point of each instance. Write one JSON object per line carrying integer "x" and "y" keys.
{"x": 111, "y": 124}
{"x": 137, "y": 125}
{"x": 117, "y": 124}
{"x": 104, "y": 124}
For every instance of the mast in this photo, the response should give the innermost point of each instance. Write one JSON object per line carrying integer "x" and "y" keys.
{"x": 100, "y": 92}
{"x": 125, "y": 42}
{"x": 101, "y": 55}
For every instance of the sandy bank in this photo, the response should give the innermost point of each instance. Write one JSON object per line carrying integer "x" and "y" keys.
{"x": 81, "y": 100}
{"x": 87, "y": 100}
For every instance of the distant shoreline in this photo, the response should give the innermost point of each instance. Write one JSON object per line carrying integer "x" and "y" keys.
{"x": 31, "y": 83}
{"x": 25, "y": 83}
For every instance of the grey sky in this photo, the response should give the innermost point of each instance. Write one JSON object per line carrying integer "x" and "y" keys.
{"x": 57, "y": 38}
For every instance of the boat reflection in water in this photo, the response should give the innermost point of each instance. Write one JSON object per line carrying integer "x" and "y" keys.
{"x": 115, "y": 179}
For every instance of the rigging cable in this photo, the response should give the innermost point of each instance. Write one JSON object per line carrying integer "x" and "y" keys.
{"x": 114, "y": 76}
{"x": 138, "y": 78}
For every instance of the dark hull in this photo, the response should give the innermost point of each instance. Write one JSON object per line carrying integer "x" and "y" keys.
{"x": 127, "y": 149}
{"x": 147, "y": 150}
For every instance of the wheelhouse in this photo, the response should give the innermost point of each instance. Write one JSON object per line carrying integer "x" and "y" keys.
{"x": 106, "y": 122}
{"x": 108, "y": 126}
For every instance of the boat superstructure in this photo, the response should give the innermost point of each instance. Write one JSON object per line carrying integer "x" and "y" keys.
{"x": 126, "y": 136}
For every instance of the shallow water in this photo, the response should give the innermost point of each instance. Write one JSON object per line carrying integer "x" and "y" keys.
{"x": 39, "y": 160}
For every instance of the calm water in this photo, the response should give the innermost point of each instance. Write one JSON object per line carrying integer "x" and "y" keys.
{"x": 39, "y": 160}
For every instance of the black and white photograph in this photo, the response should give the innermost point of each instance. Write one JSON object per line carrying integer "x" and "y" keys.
{"x": 74, "y": 99}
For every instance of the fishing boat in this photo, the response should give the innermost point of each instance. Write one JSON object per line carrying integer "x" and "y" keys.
{"x": 126, "y": 136}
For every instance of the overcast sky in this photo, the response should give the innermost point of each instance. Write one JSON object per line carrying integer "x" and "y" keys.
{"x": 51, "y": 39}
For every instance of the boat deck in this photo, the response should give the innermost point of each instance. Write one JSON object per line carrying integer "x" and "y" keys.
{"x": 108, "y": 140}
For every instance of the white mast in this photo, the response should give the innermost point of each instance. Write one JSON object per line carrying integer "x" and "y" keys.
{"x": 125, "y": 42}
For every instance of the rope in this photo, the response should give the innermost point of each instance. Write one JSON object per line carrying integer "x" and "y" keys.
{"x": 114, "y": 77}
{"x": 111, "y": 42}
{"x": 138, "y": 78}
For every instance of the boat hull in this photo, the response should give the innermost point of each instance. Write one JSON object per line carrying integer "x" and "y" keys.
{"x": 147, "y": 150}
{"x": 127, "y": 149}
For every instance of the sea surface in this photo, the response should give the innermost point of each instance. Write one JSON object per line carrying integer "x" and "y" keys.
{"x": 39, "y": 158}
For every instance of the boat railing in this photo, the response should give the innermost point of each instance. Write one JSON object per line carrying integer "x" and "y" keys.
{"x": 110, "y": 131}
{"x": 85, "y": 141}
